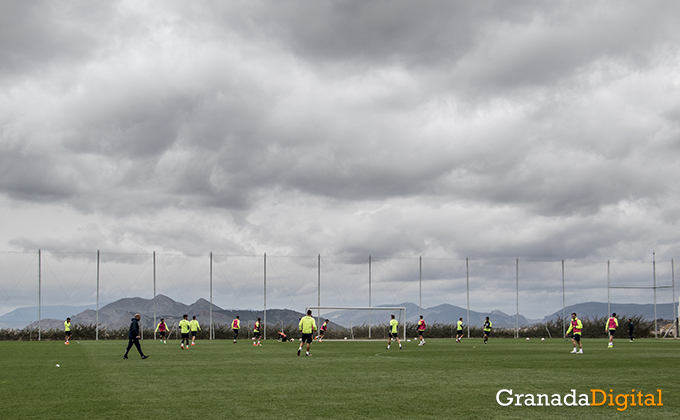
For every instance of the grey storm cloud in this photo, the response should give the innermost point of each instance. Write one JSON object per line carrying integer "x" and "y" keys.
{"x": 35, "y": 35}
{"x": 43, "y": 179}
{"x": 346, "y": 126}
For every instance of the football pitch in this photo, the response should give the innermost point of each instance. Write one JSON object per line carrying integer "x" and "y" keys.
{"x": 342, "y": 379}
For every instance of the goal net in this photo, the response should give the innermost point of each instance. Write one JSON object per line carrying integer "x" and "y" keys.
{"x": 352, "y": 317}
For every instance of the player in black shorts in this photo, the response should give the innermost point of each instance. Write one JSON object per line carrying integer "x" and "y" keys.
{"x": 322, "y": 330}
{"x": 162, "y": 329}
{"x": 459, "y": 330}
{"x": 307, "y": 327}
{"x": 67, "y": 330}
{"x": 487, "y": 329}
{"x": 185, "y": 328}
{"x": 257, "y": 333}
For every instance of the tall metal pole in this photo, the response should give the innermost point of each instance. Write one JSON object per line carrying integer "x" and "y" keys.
{"x": 609, "y": 309}
{"x": 96, "y": 322}
{"x": 517, "y": 296}
{"x": 564, "y": 305}
{"x": 656, "y": 327}
{"x": 467, "y": 275}
{"x": 420, "y": 305}
{"x": 265, "y": 296}
{"x": 675, "y": 314}
{"x": 210, "y": 328}
{"x": 154, "y": 295}
{"x": 404, "y": 325}
{"x": 39, "y": 291}
{"x": 369, "y": 295}
{"x": 318, "y": 289}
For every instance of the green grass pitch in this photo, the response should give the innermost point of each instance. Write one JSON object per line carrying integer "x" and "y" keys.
{"x": 342, "y": 379}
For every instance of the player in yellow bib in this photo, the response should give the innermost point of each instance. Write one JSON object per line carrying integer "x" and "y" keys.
{"x": 236, "y": 326}
{"x": 577, "y": 326}
{"x": 322, "y": 330}
{"x": 194, "y": 326}
{"x": 184, "y": 329}
{"x": 487, "y": 329}
{"x": 393, "y": 332}
{"x": 307, "y": 327}
{"x": 67, "y": 330}
{"x": 421, "y": 330}
{"x": 610, "y": 327}
{"x": 459, "y": 330}
{"x": 162, "y": 330}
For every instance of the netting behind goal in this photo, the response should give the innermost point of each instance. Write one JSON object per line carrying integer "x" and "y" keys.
{"x": 361, "y": 322}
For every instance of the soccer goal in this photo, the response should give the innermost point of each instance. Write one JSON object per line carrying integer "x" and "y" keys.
{"x": 401, "y": 318}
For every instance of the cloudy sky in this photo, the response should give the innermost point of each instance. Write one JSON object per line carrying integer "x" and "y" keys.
{"x": 524, "y": 129}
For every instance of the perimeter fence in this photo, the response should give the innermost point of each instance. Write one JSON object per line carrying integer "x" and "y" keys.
{"x": 44, "y": 284}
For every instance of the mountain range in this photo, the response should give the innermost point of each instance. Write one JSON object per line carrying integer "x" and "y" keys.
{"x": 118, "y": 314}
{"x": 21, "y": 317}
{"x": 593, "y": 309}
{"x": 445, "y": 313}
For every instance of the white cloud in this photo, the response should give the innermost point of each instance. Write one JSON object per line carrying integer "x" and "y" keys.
{"x": 522, "y": 130}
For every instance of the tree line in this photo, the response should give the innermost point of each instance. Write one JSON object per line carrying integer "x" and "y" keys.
{"x": 592, "y": 328}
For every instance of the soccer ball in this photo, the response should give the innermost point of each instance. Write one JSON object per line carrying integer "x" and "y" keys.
{"x": 345, "y": 338}
{"x": 527, "y": 338}
{"x": 543, "y": 339}
{"x": 57, "y": 365}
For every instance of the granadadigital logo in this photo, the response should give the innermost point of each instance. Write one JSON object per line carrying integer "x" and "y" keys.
{"x": 596, "y": 398}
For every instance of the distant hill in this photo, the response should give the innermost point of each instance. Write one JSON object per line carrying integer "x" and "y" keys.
{"x": 119, "y": 313}
{"x": 21, "y": 317}
{"x": 595, "y": 309}
{"x": 445, "y": 313}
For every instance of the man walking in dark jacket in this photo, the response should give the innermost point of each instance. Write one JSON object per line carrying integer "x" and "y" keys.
{"x": 133, "y": 336}
{"x": 631, "y": 328}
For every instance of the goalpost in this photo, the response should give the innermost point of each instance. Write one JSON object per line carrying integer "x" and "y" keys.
{"x": 401, "y": 318}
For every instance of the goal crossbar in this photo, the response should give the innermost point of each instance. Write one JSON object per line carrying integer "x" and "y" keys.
{"x": 362, "y": 308}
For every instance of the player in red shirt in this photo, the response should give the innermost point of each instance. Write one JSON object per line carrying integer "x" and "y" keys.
{"x": 322, "y": 330}
{"x": 421, "y": 330}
